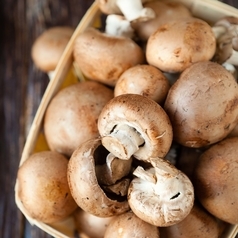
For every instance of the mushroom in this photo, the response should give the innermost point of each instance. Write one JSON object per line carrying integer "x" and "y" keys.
{"x": 145, "y": 80}
{"x": 49, "y": 46}
{"x": 132, "y": 10}
{"x": 84, "y": 185}
{"x": 215, "y": 180}
{"x": 178, "y": 44}
{"x": 132, "y": 124}
{"x": 202, "y": 105}
{"x": 43, "y": 188}
{"x": 227, "y": 40}
{"x": 128, "y": 225}
{"x": 90, "y": 225}
{"x": 102, "y": 57}
{"x": 71, "y": 116}
{"x": 165, "y": 12}
{"x": 199, "y": 223}
{"x": 161, "y": 195}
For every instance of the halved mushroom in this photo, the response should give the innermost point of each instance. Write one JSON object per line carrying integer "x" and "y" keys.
{"x": 145, "y": 80}
{"x": 161, "y": 195}
{"x": 215, "y": 180}
{"x": 178, "y": 44}
{"x": 101, "y": 57}
{"x": 43, "y": 188}
{"x": 71, "y": 117}
{"x": 202, "y": 104}
{"x": 132, "y": 124}
{"x": 49, "y": 46}
{"x": 84, "y": 185}
{"x": 128, "y": 225}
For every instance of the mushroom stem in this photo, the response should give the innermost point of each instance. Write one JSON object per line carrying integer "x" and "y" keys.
{"x": 113, "y": 170}
{"x": 231, "y": 68}
{"x": 123, "y": 142}
{"x": 233, "y": 59}
{"x": 133, "y": 10}
{"x": 219, "y": 31}
{"x": 117, "y": 25}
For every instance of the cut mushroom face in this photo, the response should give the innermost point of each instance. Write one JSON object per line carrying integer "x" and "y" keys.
{"x": 178, "y": 44}
{"x": 131, "y": 124}
{"x": 49, "y": 46}
{"x": 85, "y": 187}
{"x": 101, "y": 57}
{"x": 161, "y": 195}
{"x": 128, "y": 225}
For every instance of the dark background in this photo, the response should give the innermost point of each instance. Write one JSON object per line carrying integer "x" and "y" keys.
{"x": 21, "y": 89}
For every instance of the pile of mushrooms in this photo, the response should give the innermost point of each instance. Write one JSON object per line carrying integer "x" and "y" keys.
{"x": 148, "y": 97}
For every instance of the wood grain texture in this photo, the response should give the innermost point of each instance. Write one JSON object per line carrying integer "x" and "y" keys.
{"x": 21, "y": 88}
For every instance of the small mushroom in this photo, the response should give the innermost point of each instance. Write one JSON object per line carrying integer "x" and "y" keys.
{"x": 145, "y": 80}
{"x": 215, "y": 180}
{"x": 165, "y": 11}
{"x": 199, "y": 223}
{"x": 132, "y": 10}
{"x": 202, "y": 105}
{"x": 128, "y": 225}
{"x": 101, "y": 57}
{"x": 71, "y": 116}
{"x": 161, "y": 195}
{"x": 43, "y": 188}
{"x": 90, "y": 225}
{"x": 178, "y": 44}
{"x": 49, "y": 46}
{"x": 132, "y": 124}
{"x": 84, "y": 185}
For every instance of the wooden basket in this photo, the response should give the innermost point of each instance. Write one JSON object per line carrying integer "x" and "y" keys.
{"x": 209, "y": 10}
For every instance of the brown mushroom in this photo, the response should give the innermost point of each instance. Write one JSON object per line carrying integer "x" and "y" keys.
{"x": 202, "y": 105}
{"x": 178, "y": 44}
{"x": 215, "y": 180}
{"x": 84, "y": 185}
{"x": 145, "y": 80}
{"x": 71, "y": 116}
{"x": 128, "y": 225}
{"x": 132, "y": 124}
{"x": 49, "y": 46}
{"x": 43, "y": 188}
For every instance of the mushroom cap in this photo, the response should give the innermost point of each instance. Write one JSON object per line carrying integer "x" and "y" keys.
{"x": 104, "y": 58}
{"x": 91, "y": 225}
{"x": 71, "y": 116}
{"x": 199, "y": 223}
{"x": 178, "y": 44}
{"x": 165, "y": 11}
{"x": 145, "y": 80}
{"x": 144, "y": 115}
{"x": 49, "y": 46}
{"x": 161, "y": 195}
{"x": 109, "y": 7}
{"x": 202, "y": 104}
{"x": 84, "y": 185}
{"x": 128, "y": 225}
{"x": 43, "y": 187}
{"x": 215, "y": 180}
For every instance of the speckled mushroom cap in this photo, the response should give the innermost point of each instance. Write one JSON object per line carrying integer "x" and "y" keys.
{"x": 49, "y": 46}
{"x": 178, "y": 44}
{"x": 144, "y": 116}
{"x": 84, "y": 185}
{"x": 203, "y": 104}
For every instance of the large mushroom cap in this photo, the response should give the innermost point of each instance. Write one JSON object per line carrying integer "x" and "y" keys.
{"x": 49, "y": 46}
{"x": 71, "y": 117}
{"x": 203, "y": 104}
{"x": 178, "y": 44}
{"x": 104, "y": 58}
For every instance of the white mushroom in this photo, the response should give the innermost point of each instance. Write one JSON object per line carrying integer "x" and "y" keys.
{"x": 132, "y": 124}
{"x": 161, "y": 195}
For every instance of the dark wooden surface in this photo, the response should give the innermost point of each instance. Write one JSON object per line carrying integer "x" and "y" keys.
{"x": 21, "y": 89}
